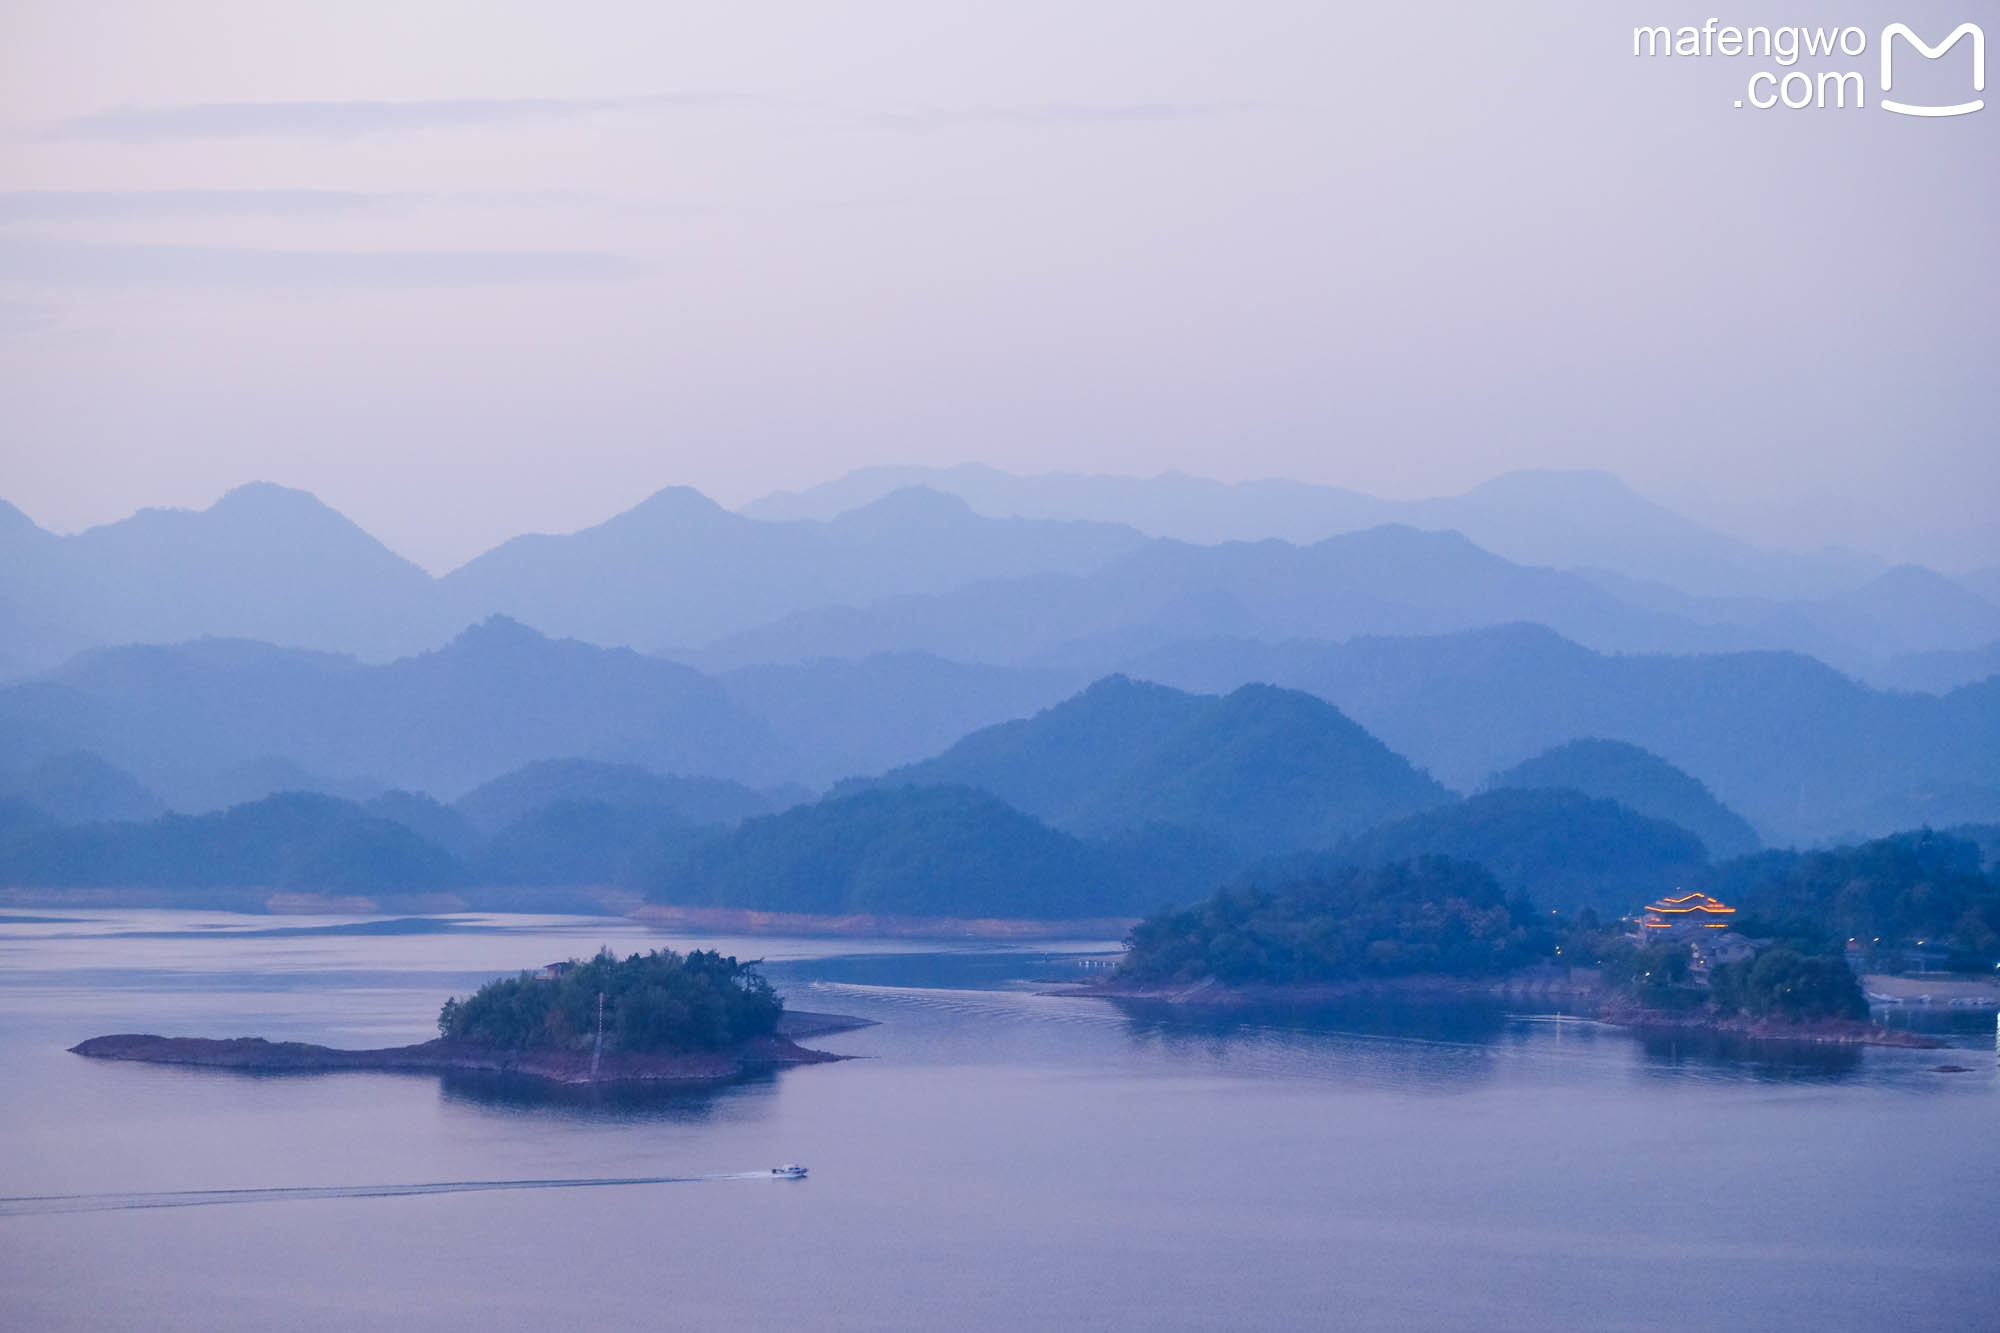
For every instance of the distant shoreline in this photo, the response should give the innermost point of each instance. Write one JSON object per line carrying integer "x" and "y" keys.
{"x": 572, "y": 1068}
{"x": 748, "y": 921}
{"x": 267, "y": 901}
{"x": 1582, "y": 984}
{"x": 608, "y": 903}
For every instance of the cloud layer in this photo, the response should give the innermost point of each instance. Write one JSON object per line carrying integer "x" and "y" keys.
{"x": 61, "y": 263}
{"x": 354, "y": 119}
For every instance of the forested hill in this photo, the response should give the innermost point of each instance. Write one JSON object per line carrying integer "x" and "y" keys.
{"x": 494, "y": 805}
{"x": 1564, "y": 849}
{"x": 1641, "y": 781}
{"x": 1264, "y": 770}
{"x": 651, "y": 1003}
{"x": 298, "y": 842}
{"x": 1805, "y": 754}
{"x": 1433, "y": 916}
{"x": 1918, "y": 895}
{"x": 933, "y": 851}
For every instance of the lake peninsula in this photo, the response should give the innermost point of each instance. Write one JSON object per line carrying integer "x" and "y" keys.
{"x": 1435, "y": 929}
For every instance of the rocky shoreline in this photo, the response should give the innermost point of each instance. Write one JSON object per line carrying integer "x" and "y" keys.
{"x": 257, "y": 1055}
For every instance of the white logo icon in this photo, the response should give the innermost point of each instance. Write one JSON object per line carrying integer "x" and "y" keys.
{"x": 1895, "y": 30}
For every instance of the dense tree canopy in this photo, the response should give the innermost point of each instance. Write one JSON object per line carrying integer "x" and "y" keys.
{"x": 1885, "y": 894}
{"x": 659, "y": 1001}
{"x": 1561, "y": 848}
{"x": 1638, "y": 780}
{"x": 1262, "y": 770}
{"x": 1430, "y": 915}
{"x": 921, "y": 851}
{"x": 296, "y": 840}
{"x": 1783, "y": 983}
{"x": 584, "y": 842}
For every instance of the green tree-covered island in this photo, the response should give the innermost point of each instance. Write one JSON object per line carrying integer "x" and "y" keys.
{"x": 1443, "y": 926}
{"x": 649, "y": 1018}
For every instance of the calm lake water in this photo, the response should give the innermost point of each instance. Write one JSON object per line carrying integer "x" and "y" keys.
{"x": 998, "y": 1160}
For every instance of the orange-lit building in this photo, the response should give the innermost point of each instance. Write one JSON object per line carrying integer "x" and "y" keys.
{"x": 1691, "y": 915}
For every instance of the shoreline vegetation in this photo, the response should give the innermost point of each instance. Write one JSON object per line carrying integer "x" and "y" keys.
{"x": 1439, "y": 928}
{"x": 658, "y": 1017}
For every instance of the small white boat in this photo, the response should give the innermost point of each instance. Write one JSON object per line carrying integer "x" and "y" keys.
{"x": 789, "y": 1171}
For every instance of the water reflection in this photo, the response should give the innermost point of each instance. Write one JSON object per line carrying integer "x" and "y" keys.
{"x": 1475, "y": 1023}
{"x": 968, "y": 969}
{"x": 1366, "y": 1042}
{"x": 747, "y": 1095}
{"x": 1938, "y": 1020}
{"x": 1682, "y": 1052}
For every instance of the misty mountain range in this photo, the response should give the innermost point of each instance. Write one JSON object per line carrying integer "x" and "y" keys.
{"x": 1567, "y": 520}
{"x": 1122, "y": 797}
{"x": 872, "y": 632}
{"x": 1803, "y": 752}
{"x": 1125, "y": 795}
{"x": 1262, "y": 770}
{"x": 918, "y": 569}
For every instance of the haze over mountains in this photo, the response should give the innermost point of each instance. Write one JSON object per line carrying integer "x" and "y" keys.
{"x": 496, "y": 697}
{"x": 1384, "y": 581}
{"x": 1803, "y": 751}
{"x": 263, "y": 562}
{"x": 1263, "y": 771}
{"x": 680, "y": 571}
{"x": 1353, "y": 662}
{"x": 1569, "y": 520}
{"x": 922, "y": 570}
{"x": 1123, "y": 797}
{"x": 1640, "y": 781}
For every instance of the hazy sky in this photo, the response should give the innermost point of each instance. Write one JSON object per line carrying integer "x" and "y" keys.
{"x": 471, "y": 269}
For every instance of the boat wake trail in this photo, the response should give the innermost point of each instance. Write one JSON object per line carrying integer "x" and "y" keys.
{"x": 34, "y": 1205}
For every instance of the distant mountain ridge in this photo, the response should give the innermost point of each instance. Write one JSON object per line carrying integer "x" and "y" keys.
{"x": 1640, "y": 781}
{"x": 278, "y": 566}
{"x": 1804, "y": 753}
{"x": 1569, "y": 520}
{"x": 1940, "y": 672}
{"x": 913, "y": 568}
{"x": 1390, "y": 581}
{"x": 1264, "y": 770}
{"x": 78, "y": 787}
{"x": 213, "y": 723}
{"x": 840, "y": 717}
{"x": 498, "y": 696}
{"x": 678, "y": 570}
{"x": 298, "y": 842}
{"x": 494, "y": 804}
{"x": 912, "y": 851}
{"x": 1801, "y": 750}
{"x": 1560, "y": 848}
{"x": 263, "y": 562}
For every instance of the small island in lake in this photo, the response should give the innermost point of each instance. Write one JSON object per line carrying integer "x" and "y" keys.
{"x": 1439, "y": 927}
{"x": 651, "y": 1018}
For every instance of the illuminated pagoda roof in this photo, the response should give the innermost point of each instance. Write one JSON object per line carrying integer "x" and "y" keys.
{"x": 1689, "y": 909}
